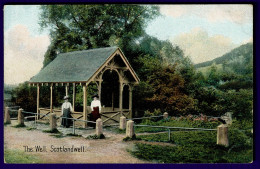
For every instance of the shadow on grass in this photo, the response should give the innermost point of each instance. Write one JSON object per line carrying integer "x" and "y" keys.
{"x": 19, "y": 125}
{"x": 51, "y": 131}
{"x": 131, "y": 139}
{"x": 74, "y": 135}
{"x": 31, "y": 128}
{"x": 7, "y": 123}
{"x": 102, "y": 136}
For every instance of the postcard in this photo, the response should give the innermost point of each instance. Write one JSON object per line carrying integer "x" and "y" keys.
{"x": 128, "y": 83}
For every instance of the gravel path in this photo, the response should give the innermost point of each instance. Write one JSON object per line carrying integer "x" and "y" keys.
{"x": 109, "y": 150}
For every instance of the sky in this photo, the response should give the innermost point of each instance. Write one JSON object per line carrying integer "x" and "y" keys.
{"x": 203, "y": 32}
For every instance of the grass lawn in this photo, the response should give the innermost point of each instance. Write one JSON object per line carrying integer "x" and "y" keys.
{"x": 18, "y": 157}
{"x": 195, "y": 146}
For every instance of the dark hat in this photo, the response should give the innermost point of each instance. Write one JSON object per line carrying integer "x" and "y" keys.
{"x": 95, "y": 95}
{"x": 66, "y": 97}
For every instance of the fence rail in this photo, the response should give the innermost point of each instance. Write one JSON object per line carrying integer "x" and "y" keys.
{"x": 169, "y": 129}
{"x": 59, "y": 117}
{"x": 73, "y": 119}
{"x": 144, "y": 117}
{"x": 13, "y": 107}
{"x": 130, "y": 126}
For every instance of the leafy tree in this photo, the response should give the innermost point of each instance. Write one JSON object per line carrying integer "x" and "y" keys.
{"x": 24, "y": 96}
{"x": 168, "y": 92}
{"x": 240, "y": 103}
{"x": 214, "y": 77}
{"x": 77, "y": 27}
{"x": 208, "y": 101}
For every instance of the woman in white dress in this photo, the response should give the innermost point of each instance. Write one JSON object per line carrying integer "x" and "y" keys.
{"x": 95, "y": 108}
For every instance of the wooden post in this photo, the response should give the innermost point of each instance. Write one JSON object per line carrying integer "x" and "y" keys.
{"x": 51, "y": 106}
{"x": 38, "y": 101}
{"x": 7, "y": 119}
{"x": 67, "y": 89}
{"x": 85, "y": 117}
{"x": 130, "y": 129}
{"x": 222, "y": 135}
{"x": 130, "y": 100}
{"x": 99, "y": 90}
{"x": 112, "y": 100}
{"x": 121, "y": 87}
{"x": 74, "y": 96}
{"x": 53, "y": 123}
{"x": 20, "y": 117}
{"x": 99, "y": 127}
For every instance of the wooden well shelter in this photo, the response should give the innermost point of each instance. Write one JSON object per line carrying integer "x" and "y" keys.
{"x": 107, "y": 67}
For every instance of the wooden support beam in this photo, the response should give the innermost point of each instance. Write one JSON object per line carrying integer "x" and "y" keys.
{"x": 85, "y": 117}
{"x": 113, "y": 100}
{"x": 74, "y": 96}
{"x": 111, "y": 117}
{"x": 121, "y": 88}
{"x": 38, "y": 101}
{"x": 130, "y": 100}
{"x": 99, "y": 90}
{"x": 51, "y": 106}
{"x": 67, "y": 89}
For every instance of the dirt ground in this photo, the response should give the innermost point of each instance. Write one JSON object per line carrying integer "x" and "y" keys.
{"x": 109, "y": 150}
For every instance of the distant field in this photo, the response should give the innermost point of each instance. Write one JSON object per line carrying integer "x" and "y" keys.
{"x": 205, "y": 70}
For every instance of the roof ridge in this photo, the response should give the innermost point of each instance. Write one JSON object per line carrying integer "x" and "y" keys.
{"x": 87, "y": 50}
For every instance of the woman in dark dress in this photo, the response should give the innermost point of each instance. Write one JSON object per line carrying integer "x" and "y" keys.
{"x": 66, "y": 110}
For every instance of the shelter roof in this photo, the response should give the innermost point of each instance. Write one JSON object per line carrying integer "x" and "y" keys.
{"x": 77, "y": 66}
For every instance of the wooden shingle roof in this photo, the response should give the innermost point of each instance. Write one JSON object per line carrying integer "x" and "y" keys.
{"x": 78, "y": 66}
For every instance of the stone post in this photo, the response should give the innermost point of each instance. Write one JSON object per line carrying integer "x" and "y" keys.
{"x": 130, "y": 129}
{"x": 229, "y": 119}
{"x": 20, "y": 117}
{"x": 122, "y": 122}
{"x": 53, "y": 124}
{"x": 165, "y": 115}
{"x": 222, "y": 135}
{"x": 99, "y": 127}
{"x": 7, "y": 119}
